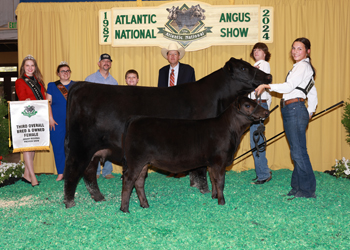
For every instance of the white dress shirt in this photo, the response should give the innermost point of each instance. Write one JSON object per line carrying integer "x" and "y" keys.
{"x": 300, "y": 76}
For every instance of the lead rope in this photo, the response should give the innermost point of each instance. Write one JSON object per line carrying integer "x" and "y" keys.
{"x": 256, "y": 136}
{"x": 259, "y": 132}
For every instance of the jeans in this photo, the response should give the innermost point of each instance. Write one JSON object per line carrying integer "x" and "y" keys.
{"x": 295, "y": 122}
{"x": 261, "y": 168}
{"x": 107, "y": 168}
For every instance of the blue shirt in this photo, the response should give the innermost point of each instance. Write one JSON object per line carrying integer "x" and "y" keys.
{"x": 98, "y": 78}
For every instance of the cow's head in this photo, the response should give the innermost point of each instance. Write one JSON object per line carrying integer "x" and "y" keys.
{"x": 173, "y": 12}
{"x": 250, "y": 109}
{"x": 246, "y": 74}
{"x": 198, "y": 12}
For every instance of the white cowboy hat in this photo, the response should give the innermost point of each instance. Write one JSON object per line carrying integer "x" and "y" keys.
{"x": 173, "y": 46}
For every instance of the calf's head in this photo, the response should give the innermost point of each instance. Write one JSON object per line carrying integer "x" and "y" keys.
{"x": 250, "y": 109}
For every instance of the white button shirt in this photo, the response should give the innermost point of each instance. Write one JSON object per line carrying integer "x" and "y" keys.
{"x": 300, "y": 76}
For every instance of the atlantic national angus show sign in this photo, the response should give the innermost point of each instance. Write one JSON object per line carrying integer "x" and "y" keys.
{"x": 194, "y": 25}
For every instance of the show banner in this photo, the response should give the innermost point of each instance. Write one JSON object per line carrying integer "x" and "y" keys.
{"x": 194, "y": 25}
{"x": 30, "y": 125}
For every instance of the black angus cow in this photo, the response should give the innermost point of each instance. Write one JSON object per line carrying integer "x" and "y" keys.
{"x": 97, "y": 113}
{"x": 177, "y": 145}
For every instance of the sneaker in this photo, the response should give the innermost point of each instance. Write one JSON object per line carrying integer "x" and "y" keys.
{"x": 109, "y": 176}
{"x": 97, "y": 176}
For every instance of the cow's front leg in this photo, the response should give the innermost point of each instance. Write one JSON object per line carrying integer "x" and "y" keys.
{"x": 140, "y": 188}
{"x": 221, "y": 185}
{"x": 198, "y": 179}
{"x": 91, "y": 181}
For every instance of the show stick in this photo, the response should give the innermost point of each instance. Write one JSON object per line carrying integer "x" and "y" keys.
{"x": 254, "y": 149}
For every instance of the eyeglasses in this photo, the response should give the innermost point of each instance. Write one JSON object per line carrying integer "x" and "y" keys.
{"x": 65, "y": 71}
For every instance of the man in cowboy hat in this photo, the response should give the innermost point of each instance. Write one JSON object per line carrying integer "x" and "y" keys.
{"x": 175, "y": 73}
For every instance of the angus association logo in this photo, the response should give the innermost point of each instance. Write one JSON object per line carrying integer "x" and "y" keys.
{"x": 185, "y": 24}
{"x": 29, "y": 111}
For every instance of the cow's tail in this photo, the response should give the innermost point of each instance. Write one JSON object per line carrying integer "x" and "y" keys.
{"x": 124, "y": 160}
{"x": 70, "y": 107}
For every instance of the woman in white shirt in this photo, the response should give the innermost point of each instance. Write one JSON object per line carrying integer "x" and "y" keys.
{"x": 261, "y": 55}
{"x": 299, "y": 85}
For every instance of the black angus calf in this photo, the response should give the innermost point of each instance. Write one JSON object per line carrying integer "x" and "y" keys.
{"x": 180, "y": 145}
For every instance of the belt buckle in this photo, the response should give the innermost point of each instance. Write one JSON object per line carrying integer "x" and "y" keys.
{"x": 282, "y": 103}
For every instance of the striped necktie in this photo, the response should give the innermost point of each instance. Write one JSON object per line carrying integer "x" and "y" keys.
{"x": 172, "y": 78}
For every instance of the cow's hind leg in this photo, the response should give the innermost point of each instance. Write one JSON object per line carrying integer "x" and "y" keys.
{"x": 140, "y": 187}
{"x": 91, "y": 181}
{"x": 128, "y": 184}
{"x": 198, "y": 179}
{"x": 72, "y": 175}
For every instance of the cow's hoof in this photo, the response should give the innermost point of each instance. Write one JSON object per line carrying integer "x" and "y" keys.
{"x": 221, "y": 202}
{"x": 202, "y": 186}
{"x": 204, "y": 190}
{"x": 125, "y": 210}
{"x": 144, "y": 205}
{"x": 98, "y": 198}
{"x": 69, "y": 204}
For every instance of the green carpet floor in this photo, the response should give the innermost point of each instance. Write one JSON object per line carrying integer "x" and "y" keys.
{"x": 179, "y": 217}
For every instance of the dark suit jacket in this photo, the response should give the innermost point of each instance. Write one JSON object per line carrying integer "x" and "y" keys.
{"x": 186, "y": 74}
